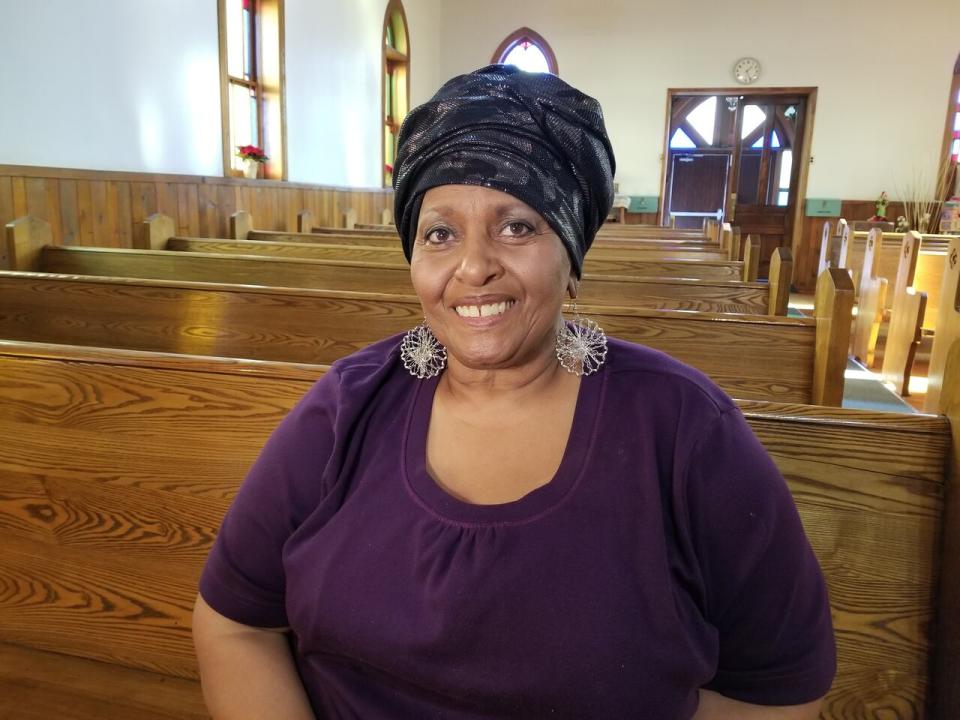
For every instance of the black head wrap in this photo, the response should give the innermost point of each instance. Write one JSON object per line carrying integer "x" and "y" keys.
{"x": 527, "y": 134}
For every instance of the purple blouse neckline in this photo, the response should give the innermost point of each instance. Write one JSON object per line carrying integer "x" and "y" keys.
{"x": 531, "y": 506}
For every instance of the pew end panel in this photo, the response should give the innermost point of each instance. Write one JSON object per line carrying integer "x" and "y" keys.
{"x": 946, "y": 689}
{"x": 843, "y": 255}
{"x": 903, "y": 339}
{"x": 751, "y": 259}
{"x": 948, "y": 327}
{"x": 726, "y": 240}
{"x": 241, "y": 225}
{"x": 25, "y": 239}
{"x": 906, "y": 319}
{"x": 350, "y": 218}
{"x": 871, "y": 293}
{"x": 304, "y": 221}
{"x": 833, "y": 308}
{"x": 826, "y": 249}
{"x": 154, "y": 233}
{"x": 781, "y": 278}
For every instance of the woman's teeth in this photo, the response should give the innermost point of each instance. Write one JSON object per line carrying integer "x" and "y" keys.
{"x": 483, "y": 310}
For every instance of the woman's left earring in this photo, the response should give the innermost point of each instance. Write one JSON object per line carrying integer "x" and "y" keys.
{"x": 422, "y": 354}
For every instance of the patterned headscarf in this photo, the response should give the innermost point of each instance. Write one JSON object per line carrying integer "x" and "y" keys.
{"x": 527, "y": 134}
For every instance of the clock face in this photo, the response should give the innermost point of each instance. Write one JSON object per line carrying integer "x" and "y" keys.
{"x": 746, "y": 70}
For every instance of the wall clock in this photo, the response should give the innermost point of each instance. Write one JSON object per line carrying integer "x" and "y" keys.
{"x": 746, "y": 70}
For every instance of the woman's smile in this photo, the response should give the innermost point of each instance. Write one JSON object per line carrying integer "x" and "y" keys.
{"x": 483, "y": 312}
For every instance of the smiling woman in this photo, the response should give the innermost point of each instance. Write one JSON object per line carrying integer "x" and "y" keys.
{"x": 504, "y": 514}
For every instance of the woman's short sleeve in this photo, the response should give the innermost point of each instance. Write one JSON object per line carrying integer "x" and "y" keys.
{"x": 243, "y": 578}
{"x": 763, "y": 588}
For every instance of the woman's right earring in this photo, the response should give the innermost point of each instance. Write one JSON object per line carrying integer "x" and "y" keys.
{"x": 422, "y": 354}
{"x": 581, "y": 345}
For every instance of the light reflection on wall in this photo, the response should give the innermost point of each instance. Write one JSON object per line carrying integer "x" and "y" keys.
{"x": 150, "y": 132}
{"x": 202, "y": 110}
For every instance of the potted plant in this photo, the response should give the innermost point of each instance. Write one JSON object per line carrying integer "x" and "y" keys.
{"x": 253, "y": 158}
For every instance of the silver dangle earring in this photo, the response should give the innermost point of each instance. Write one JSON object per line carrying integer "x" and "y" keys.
{"x": 581, "y": 345}
{"x": 422, "y": 354}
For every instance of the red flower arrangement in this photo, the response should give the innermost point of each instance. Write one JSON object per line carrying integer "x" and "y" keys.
{"x": 252, "y": 152}
{"x": 388, "y": 168}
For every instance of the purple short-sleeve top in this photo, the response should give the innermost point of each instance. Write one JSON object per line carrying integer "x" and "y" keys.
{"x": 664, "y": 556}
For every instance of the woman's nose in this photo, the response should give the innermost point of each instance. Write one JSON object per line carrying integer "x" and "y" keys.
{"x": 479, "y": 263}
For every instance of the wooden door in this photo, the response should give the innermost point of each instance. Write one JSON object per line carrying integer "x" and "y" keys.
{"x": 763, "y": 193}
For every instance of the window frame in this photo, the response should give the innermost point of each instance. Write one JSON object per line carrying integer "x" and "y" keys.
{"x": 390, "y": 59}
{"x": 526, "y": 34}
{"x": 949, "y": 182}
{"x": 269, "y": 100}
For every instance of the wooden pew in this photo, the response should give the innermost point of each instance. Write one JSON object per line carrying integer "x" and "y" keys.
{"x": 654, "y": 293}
{"x": 241, "y": 228}
{"x": 606, "y": 257}
{"x": 790, "y": 359}
{"x": 607, "y": 265}
{"x": 105, "y": 544}
{"x": 906, "y": 319}
{"x": 928, "y": 274}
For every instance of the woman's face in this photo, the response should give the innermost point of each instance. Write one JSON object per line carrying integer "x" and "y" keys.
{"x": 491, "y": 275}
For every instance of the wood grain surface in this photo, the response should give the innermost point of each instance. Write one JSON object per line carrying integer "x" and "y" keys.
{"x": 603, "y": 263}
{"x": 769, "y": 358}
{"x": 394, "y": 278}
{"x": 39, "y": 685}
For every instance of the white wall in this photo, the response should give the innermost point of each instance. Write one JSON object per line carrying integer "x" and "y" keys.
{"x": 118, "y": 85}
{"x": 333, "y": 67}
{"x": 883, "y": 72}
{"x": 110, "y": 85}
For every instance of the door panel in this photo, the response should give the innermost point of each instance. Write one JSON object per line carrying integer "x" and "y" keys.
{"x": 699, "y": 184}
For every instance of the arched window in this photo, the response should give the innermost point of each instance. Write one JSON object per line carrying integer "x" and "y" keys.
{"x": 528, "y": 51}
{"x": 396, "y": 82}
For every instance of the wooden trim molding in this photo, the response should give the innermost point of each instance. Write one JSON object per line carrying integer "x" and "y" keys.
{"x": 391, "y": 56}
{"x": 224, "y": 87}
{"x": 951, "y": 110}
{"x": 518, "y": 36}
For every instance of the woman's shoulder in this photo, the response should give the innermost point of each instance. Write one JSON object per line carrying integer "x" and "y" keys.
{"x": 355, "y": 379}
{"x": 658, "y": 376}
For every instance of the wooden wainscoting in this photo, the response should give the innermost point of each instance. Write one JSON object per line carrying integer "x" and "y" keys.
{"x": 105, "y": 208}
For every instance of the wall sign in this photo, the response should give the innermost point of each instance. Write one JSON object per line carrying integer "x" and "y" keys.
{"x": 644, "y": 203}
{"x": 819, "y": 207}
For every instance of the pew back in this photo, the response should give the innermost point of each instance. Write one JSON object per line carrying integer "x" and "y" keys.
{"x": 601, "y": 264}
{"x": 367, "y": 276}
{"x": 792, "y": 359}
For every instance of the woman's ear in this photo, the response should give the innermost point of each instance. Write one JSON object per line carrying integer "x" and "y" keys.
{"x": 573, "y": 287}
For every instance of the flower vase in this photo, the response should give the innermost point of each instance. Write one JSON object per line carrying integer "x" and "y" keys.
{"x": 251, "y": 168}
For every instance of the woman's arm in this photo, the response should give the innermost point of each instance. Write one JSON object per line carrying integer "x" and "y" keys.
{"x": 714, "y": 706}
{"x": 246, "y": 672}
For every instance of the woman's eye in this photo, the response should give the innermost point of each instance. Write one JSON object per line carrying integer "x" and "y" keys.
{"x": 519, "y": 229}
{"x": 437, "y": 236}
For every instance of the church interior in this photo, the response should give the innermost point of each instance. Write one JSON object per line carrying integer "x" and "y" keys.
{"x": 198, "y": 201}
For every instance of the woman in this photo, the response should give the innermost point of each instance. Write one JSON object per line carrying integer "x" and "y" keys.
{"x": 501, "y": 515}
